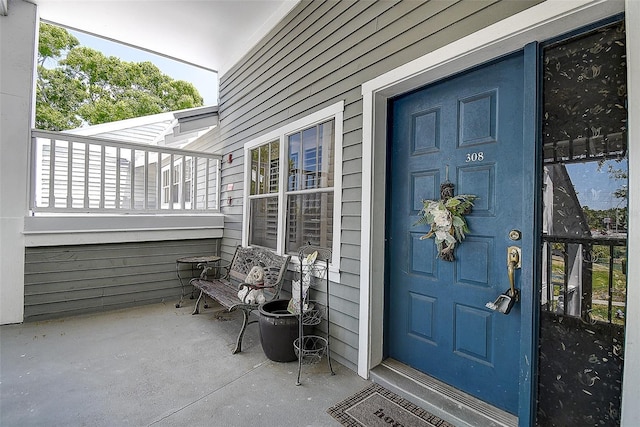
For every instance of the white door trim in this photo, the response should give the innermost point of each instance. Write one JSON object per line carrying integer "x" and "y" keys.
{"x": 538, "y": 23}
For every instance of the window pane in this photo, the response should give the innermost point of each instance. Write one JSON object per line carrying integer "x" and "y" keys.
{"x": 254, "y": 172}
{"x": 187, "y": 191}
{"x": 309, "y": 219}
{"x": 274, "y": 167}
{"x": 263, "y": 169}
{"x": 263, "y": 227}
{"x": 265, "y": 164}
{"x": 188, "y": 173}
{"x": 293, "y": 182}
{"x": 310, "y": 158}
{"x": 165, "y": 185}
{"x": 177, "y": 179}
{"x": 325, "y": 168}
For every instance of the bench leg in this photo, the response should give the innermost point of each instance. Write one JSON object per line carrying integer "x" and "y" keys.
{"x": 196, "y": 309}
{"x": 245, "y": 322}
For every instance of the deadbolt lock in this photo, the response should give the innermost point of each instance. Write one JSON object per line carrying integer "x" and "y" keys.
{"x": 515, "y": 235}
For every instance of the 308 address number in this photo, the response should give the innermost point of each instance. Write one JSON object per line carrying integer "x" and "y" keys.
{"x": 475, "y": 157}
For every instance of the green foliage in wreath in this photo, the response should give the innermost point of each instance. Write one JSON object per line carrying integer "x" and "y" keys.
{"x": 447, "y": 221}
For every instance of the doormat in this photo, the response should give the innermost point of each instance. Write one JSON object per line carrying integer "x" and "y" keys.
{"x": 376, "y": 406}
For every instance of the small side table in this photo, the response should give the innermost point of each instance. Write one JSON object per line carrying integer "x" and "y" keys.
{"x": 194, "y": 261}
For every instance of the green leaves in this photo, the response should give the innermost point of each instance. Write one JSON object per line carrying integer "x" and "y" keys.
{"x": 452, "y": 202}
{"x": 87, "y": 87}
{"x": 53, "y": 41}
{"x": 461, "y": 203}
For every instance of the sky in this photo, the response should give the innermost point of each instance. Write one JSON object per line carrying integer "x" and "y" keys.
{"x": 204, "y": 80}
{"x": 595, "y": 186}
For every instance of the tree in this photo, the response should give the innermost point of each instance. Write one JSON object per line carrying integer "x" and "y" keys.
{"x": 87, "y": 87}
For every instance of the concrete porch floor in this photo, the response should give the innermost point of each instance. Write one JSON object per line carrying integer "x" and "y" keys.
{"x": 157, "y": 365}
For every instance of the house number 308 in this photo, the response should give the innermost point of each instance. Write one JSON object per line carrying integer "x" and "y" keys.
{"x": 475, "y": 157}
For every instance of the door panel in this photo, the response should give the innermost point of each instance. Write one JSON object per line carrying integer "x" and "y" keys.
{"x": 467, "y": 130}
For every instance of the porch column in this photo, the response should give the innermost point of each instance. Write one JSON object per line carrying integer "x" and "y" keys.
{"x": 18, "y": 31}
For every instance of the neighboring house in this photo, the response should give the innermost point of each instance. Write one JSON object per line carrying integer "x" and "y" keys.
{"x": 347, "y": 114}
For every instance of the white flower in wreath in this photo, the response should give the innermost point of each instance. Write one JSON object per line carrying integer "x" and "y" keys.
{"x": 448, "y": 225}
{"x": 442, "y": 217}
{"x": 440, "y": 235}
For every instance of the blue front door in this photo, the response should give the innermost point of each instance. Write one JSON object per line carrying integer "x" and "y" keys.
{"x": 467, "y": 130}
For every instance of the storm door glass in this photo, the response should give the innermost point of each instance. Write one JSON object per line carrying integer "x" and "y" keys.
{"x": 584, "y": 238}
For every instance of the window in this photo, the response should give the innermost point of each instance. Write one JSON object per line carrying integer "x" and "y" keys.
{"x": 175, "y": 185}
{"x": 166, "y": 189}
{"x": 188, "y": 174}
{"x": 297, "y": 200}
{"x": 310, "y": 187}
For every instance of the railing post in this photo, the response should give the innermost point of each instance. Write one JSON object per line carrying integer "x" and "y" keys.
{"x": 182, "y": 186}
{"x": 218, "y": 184}
{"x": 171, "y": 182}
{"x": 194, "y": 182}
{"x": 52, "y": 174}
{"x": 87, "y": 154}
{"x": 610, "y": 293}
{"x": 587, "y": 280}
{"x": 159, "y": 181}
{"x": 145, "y": 202}
{"x": 206, "y": 186}
{"x": 132, "y": 180}
{"x": 103, "y": 165}
{"x": 118, "y": 171}
{"x": 69, "y": 174}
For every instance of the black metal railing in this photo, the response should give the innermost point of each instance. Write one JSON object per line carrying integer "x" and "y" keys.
{"x": 585, "y": 277}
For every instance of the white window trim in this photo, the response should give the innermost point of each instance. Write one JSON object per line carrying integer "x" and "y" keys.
{"x": 335, "y": 112}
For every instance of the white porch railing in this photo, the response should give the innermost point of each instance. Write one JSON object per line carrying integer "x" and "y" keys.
{"x": 80, "y": 174}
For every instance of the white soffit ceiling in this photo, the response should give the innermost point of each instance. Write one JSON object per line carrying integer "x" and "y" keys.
{"x": 212, "y": 34}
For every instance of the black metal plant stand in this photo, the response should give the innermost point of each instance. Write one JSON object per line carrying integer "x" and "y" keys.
{"x": 314, "y": 267}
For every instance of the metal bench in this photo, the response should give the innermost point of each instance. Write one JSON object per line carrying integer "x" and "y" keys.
{"x": 231, "y": 279}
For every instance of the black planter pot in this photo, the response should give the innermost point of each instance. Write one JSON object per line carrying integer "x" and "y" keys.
{"x": 278, "y": 330}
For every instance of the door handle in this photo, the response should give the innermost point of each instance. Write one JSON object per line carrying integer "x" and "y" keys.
{"x": 504, "y": 303}
{"x": 514, "y": 262}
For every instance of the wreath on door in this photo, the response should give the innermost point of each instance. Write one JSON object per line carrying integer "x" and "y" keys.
{"x": 447, "y": 220}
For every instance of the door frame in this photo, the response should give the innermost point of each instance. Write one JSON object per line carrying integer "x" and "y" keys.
{"x": 538, "y": 23}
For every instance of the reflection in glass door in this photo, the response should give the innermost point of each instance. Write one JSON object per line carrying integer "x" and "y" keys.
{"x": 584, "y": 236}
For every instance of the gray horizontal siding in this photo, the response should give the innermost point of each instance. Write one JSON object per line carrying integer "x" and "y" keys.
{"x": 321, "y": 54}
{"x": 71, "y": 280}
